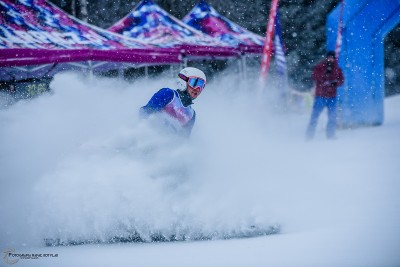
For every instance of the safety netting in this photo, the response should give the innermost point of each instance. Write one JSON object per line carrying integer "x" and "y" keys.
{"x": 206, "y": 19}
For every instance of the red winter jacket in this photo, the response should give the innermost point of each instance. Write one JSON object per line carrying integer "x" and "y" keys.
{"x": 327, "y": 82}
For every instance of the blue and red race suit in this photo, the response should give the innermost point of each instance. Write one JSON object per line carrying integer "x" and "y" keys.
{"x": 175, "y": 107}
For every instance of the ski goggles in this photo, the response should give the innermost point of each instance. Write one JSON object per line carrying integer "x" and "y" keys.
{"x": 194, "y": 82}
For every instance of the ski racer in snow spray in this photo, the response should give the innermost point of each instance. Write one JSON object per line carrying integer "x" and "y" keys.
{"x": 174, "y": 106}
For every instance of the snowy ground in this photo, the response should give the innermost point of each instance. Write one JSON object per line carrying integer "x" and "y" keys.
{"x": 79, "y": 164}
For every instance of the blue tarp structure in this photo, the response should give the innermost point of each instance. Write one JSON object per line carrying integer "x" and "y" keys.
{"x": 365, "y": 25}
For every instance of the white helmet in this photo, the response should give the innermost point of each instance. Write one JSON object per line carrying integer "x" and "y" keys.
{"x": 188, "y": 72}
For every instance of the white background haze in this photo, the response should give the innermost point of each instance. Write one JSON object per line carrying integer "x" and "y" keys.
{"x": 79, "y": 164}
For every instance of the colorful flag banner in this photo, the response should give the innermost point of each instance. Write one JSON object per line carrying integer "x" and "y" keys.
{"x": 267, "y": 50}
{"x": 339, "y": 32}
{"x": 279, "y": 48}
{"x": 280, "y": 62}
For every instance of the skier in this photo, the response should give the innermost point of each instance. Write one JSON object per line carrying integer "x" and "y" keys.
{"x": 174, "y": 106}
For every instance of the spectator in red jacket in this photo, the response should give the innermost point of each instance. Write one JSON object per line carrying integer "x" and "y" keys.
{"x": 327, "y": 77}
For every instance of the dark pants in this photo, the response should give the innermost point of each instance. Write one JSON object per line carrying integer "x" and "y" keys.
{"x": 319, "y": 104}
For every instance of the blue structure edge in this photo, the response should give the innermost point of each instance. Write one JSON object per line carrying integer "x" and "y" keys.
{"x": 365, "y": 25}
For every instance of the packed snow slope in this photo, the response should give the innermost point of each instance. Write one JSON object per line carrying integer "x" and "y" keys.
{"x": 79, "y": 164}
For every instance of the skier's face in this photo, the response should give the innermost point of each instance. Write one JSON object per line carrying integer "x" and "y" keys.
{"x": 195, "y": 85}
{"x": 193, "y": 92}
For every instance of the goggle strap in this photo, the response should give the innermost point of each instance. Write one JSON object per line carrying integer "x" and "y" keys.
{"x": 183, "y": 77}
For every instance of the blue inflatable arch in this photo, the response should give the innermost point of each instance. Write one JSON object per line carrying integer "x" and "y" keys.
{"x": 365, "y": 25}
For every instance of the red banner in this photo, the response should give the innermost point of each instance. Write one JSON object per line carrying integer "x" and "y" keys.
{"x": 267, "y": 50}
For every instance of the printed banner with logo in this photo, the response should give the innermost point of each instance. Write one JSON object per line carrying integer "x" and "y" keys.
{"x": 205, "y": 18}
{"x": 36, "y": 32}
{"x": 149, "y": 23}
